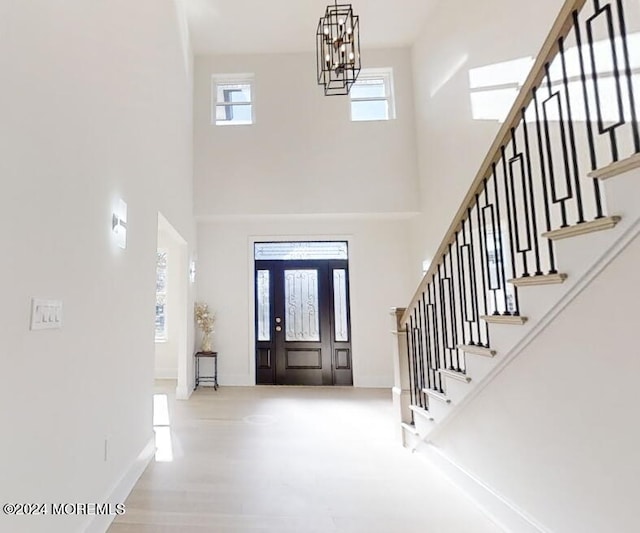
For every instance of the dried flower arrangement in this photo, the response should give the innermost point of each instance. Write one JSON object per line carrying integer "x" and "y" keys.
{"x": 205, "y": 320}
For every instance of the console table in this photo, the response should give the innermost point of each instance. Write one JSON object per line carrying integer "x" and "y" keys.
{"x": 207, "y": 378}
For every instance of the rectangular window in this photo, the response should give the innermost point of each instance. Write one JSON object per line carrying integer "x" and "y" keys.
{"x": 340, "y": 307}
{"x": 161, "y": 296}
{"x": 263, "y": 290}
{"x": 372, "y": 96}
{"x": 313, "y": 250}
{"x": 232, "y": 100}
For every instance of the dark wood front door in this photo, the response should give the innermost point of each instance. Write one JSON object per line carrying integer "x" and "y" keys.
{"x": 302, "y": 322}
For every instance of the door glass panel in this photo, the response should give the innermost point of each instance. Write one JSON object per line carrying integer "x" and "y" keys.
{"x": 264, "y": 305}
{"x": 300, "y": 250}
{"x": 341, "y": 325}
{"x": 301, "y": 301}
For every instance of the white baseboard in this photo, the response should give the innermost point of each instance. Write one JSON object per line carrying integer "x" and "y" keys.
{"x": 166, "y": 373}
{"x": 183, "y": 393}
{"x": 501, "y": 511}
{"x": 373, "y": 382}
{"x": 121, "y": 490}
{"x": 233, "y": 380}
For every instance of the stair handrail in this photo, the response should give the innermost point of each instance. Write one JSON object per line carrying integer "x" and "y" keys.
{"x": 549, "y": 50}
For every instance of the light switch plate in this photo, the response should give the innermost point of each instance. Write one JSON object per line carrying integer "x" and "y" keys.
{"x": 46, "y": 314}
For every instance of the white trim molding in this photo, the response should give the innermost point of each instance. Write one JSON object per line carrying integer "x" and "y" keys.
{"x": 121, "y": 490}
{"x": 500, "y": 510}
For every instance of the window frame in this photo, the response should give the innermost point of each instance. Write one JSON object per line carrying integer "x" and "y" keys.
{"x": 218, "y": 80}
{"x": 386, "y": 75}
{"x": 165, "y": 336}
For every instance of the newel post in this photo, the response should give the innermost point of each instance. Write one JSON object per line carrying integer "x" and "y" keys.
{"x": 401, "y": 379}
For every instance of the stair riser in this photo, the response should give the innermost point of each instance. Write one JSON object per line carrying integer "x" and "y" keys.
{"x": 439, "y": 409}
{"x": 457, "y": 390}
{"x": 410, "y": 440}
{"x": 478, "y": 367}
{"x": 423, "y": 426}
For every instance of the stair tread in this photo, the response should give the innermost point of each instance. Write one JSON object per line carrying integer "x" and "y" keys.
{"x": 477, "y": 350}
{"x": 437, "y": 395}
{"x": 505, "y": 319}
{"x": 410, "y": 428}
{"x": 455, "y": 374}
{"x": 532, "y": 281}
{"x": 422, "y": 412}
{"x": 617, "y": 168}
{"x": 576, "y": 230}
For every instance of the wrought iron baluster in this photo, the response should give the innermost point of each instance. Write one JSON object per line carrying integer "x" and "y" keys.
{"x": 421, "y": 372}
{"x": 629, "y": 75}
{"x": 556, "y": 199}
{"x": 493, "y": 287}
{"x": 517, "y": 157}
{"x": 516, "y": 311}
{"x": 427, "y": 342}
{"x": 587, "y": 111}
{"x": 414, "y": 364}
{"x": 534, "y": 214}
{"x": 610, "y": 128}
{"x": 572, "y": 137}
{"x": 437, "y": 360}
{"x": 469, "y": 302}
{"x": 462, "y": 284}
{"x": 408, "y": 335}
{"x": 455, "y": 356}
{"x": 446, "y": 354}
{"x": 545, "y": 189}
{"x": 477, "y": 300}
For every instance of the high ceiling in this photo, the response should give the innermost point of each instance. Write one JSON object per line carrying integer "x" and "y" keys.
{"x": 281, "y": 26}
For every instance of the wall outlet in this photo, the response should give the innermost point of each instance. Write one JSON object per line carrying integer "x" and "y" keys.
{"x": 46, "y": 314}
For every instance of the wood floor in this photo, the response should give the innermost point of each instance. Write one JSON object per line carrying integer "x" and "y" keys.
{"x": 292, "y": 460}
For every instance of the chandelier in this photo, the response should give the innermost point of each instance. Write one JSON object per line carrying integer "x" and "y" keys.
{"x": 338, "y": 49}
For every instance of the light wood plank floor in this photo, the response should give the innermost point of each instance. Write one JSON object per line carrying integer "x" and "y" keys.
{"x": 292, "y": 460}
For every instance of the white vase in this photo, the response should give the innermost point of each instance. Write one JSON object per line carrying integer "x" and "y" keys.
{"x": 206, "y": 342}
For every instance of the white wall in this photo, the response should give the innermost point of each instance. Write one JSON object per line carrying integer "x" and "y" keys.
{"x": 378, "y": 265}
{"x": 303, "y": 154}
{"x": 451, "y": 145}
{"x": 96, "y": 106}
{"x": 555, "y": 433}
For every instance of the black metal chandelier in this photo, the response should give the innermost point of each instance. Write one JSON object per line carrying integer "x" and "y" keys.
{"x": 338, "y": 49}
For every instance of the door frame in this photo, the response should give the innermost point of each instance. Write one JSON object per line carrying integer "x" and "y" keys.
{"x": 252, "y": 239}
{"x": 182, "y": 313}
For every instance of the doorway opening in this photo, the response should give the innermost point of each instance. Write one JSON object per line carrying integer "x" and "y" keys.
{"x": 172, "y": 312}
{"x": 302, "y": 313}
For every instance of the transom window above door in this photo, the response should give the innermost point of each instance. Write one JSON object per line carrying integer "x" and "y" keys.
{"x": 311, "y": 250}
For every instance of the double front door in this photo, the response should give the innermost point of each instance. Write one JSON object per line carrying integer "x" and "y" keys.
{"x": 302, "y": 322}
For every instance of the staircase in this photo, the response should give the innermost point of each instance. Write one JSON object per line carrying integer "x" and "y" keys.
{"x": 554, "y": 203}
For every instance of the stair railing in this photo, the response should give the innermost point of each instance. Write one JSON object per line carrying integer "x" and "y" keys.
{"x": 576, "y": 112}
